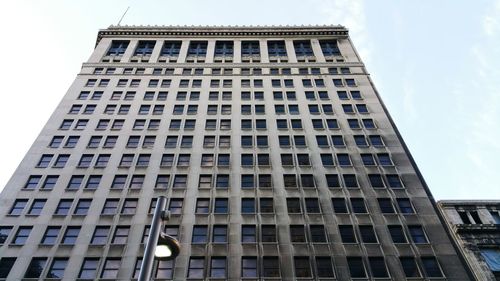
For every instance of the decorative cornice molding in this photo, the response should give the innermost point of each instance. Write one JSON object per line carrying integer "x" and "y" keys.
{"x": 222, "y": 31}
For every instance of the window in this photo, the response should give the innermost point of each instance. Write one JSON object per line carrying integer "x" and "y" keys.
{"x": 70, "y": 236}
{"x": 37, "y": 206}
{"x": 57, "y": 268}
{"x": 385, "y": 205}
{"x": 268, "y": 233}
{"x": 175, "y": 206}
{"x": 164, "y": 270}
{"x": 110, "y": 268}
{"x": 221, "y": 206}
{"x": 297, "y": 234}
{"x": 405, "y": 206}
{"x": 18, "y": 207}
{"x": 197, "y": 48}
{"x": 120, "y": 235}
{"x": 218, "y": 267}
{"x": 350, "y": 181}
{"x": 329, "y": 47}
{"x": 339, "y": 205}
{"x": 312, "y": 205}
{"x": 307, "y": 180}
{"x": 347, "y": 234}
{"x": 249, "y": 267}
{"x": 394, "y": 181}
{"x": 50, "y": 182}
{"x": 4, "y": 234}
{"x": 205, "y": 181}
{"x": 417, "y": 234}
{"x": 410, "y": 267}
{"x": 196, "y": 267}
{"x": 318, "y": 233}
{"x": 431, "y": 267}
{"x": 384, "y": 159}
{"x": 397, "y": 234}
{"x": 302, "y": 266}
{"x": 171, "y": 48}
{"x": 271, "y": 267}
{"x": 266, "y": 205}
{"x": 110, "y": 207}
{"x": 35, "y": 268}
{"x": 56, "y": 141}
{"x": 100, "y": 236}
{"x": 303, "y": 159}
{"x": 63, "y": 207}
{"x": 332, "y": 180}
{"x": 82, "y": 207}
{"x": 276, "y": 48}
{"x": 89, "y": 268}
{"x": 102, "y": 160}
{"x": 61, "y": 161}
{"x": 200, "y": 234}
{"x": 22, "y": 234}
{"x": 293, "y": 205}
{"x": 44, "y": 160}
{"x": 367, "y": 234}
{"x": 378, "y": 267}
{"x": 248, "y": 234}
{"x": 247, "y": 181}
{"x": 356, "y": 267}
{"x": 358, "y": 206}
{"x": 202, "y": 206}
{"x": 93, "y": 181}
{"x": 327, "y": 159}
{"x": 376, "y": 180}
{"x": 247, "y": 205}
{"x": 129, "y": 207}
{"x": 324, "y": 267}
{"x": 222, "y": 181}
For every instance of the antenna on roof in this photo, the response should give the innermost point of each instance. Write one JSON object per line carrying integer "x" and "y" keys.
{"x": 123, "y": 16}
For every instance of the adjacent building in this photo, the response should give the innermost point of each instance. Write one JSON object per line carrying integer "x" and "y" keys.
{"x": 276, "y": 153}
{"x": 475, "y": 226}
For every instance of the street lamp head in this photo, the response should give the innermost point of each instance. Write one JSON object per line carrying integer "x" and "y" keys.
{"x": 168, "y": 247}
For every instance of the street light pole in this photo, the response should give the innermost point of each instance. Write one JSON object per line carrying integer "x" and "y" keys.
{"x": 154, "y": 234}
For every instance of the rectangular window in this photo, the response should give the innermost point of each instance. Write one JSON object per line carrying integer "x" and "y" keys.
{"x": 57, "y": 268}
{"x": 356, "y": 267}
{"x": 89, "y": 268}
{"x": 35, "y": 268}
{"x": 248, "y": 234}
{"x": 347, "y": 234}
{"x": 196, "y": 268}
{"x": 302, "y": 266}
{"x": 218, "y": 267}
{"x": 271, "y": 267}
{"x": 22, "y": 234}
{"x": 70, "y": 235}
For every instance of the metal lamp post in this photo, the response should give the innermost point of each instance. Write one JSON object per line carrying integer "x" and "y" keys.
{"x": 159, "y": 244}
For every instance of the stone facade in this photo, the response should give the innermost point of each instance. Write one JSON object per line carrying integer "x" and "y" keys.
{"x": 278, "y": 157}
{"x": 475, "y": 226}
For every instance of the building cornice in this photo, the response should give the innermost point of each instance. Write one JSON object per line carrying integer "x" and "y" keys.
{"x": 221, "y": 31}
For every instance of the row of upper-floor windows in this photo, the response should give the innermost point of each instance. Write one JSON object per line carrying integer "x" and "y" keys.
{"x": 210, "y": 141}
{"x": 214, "y": 109}
{"x": 471, "y": 215}
{"x": 199, "y": 267}
{"x": 220, "y": 95}
{"x": 218, "y": 234}
{"x": 223, "y": 71}
{"x": 249, "y": 205}
{"x": 219, "y": 181}
{"x": 275, "y": 48}
{"x": 224, "y": 83}
{"x": 101, "y": 160}
{"x": 189, "y": 124}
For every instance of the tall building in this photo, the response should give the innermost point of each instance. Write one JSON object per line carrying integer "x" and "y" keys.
{"x": 475, "y": 226}
{"x": 276, "y": 153}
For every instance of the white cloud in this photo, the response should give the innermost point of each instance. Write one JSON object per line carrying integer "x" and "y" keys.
{"x": 351, "y": 14}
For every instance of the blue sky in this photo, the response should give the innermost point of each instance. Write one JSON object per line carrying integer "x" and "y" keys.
{"x": 435, "y": 64}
